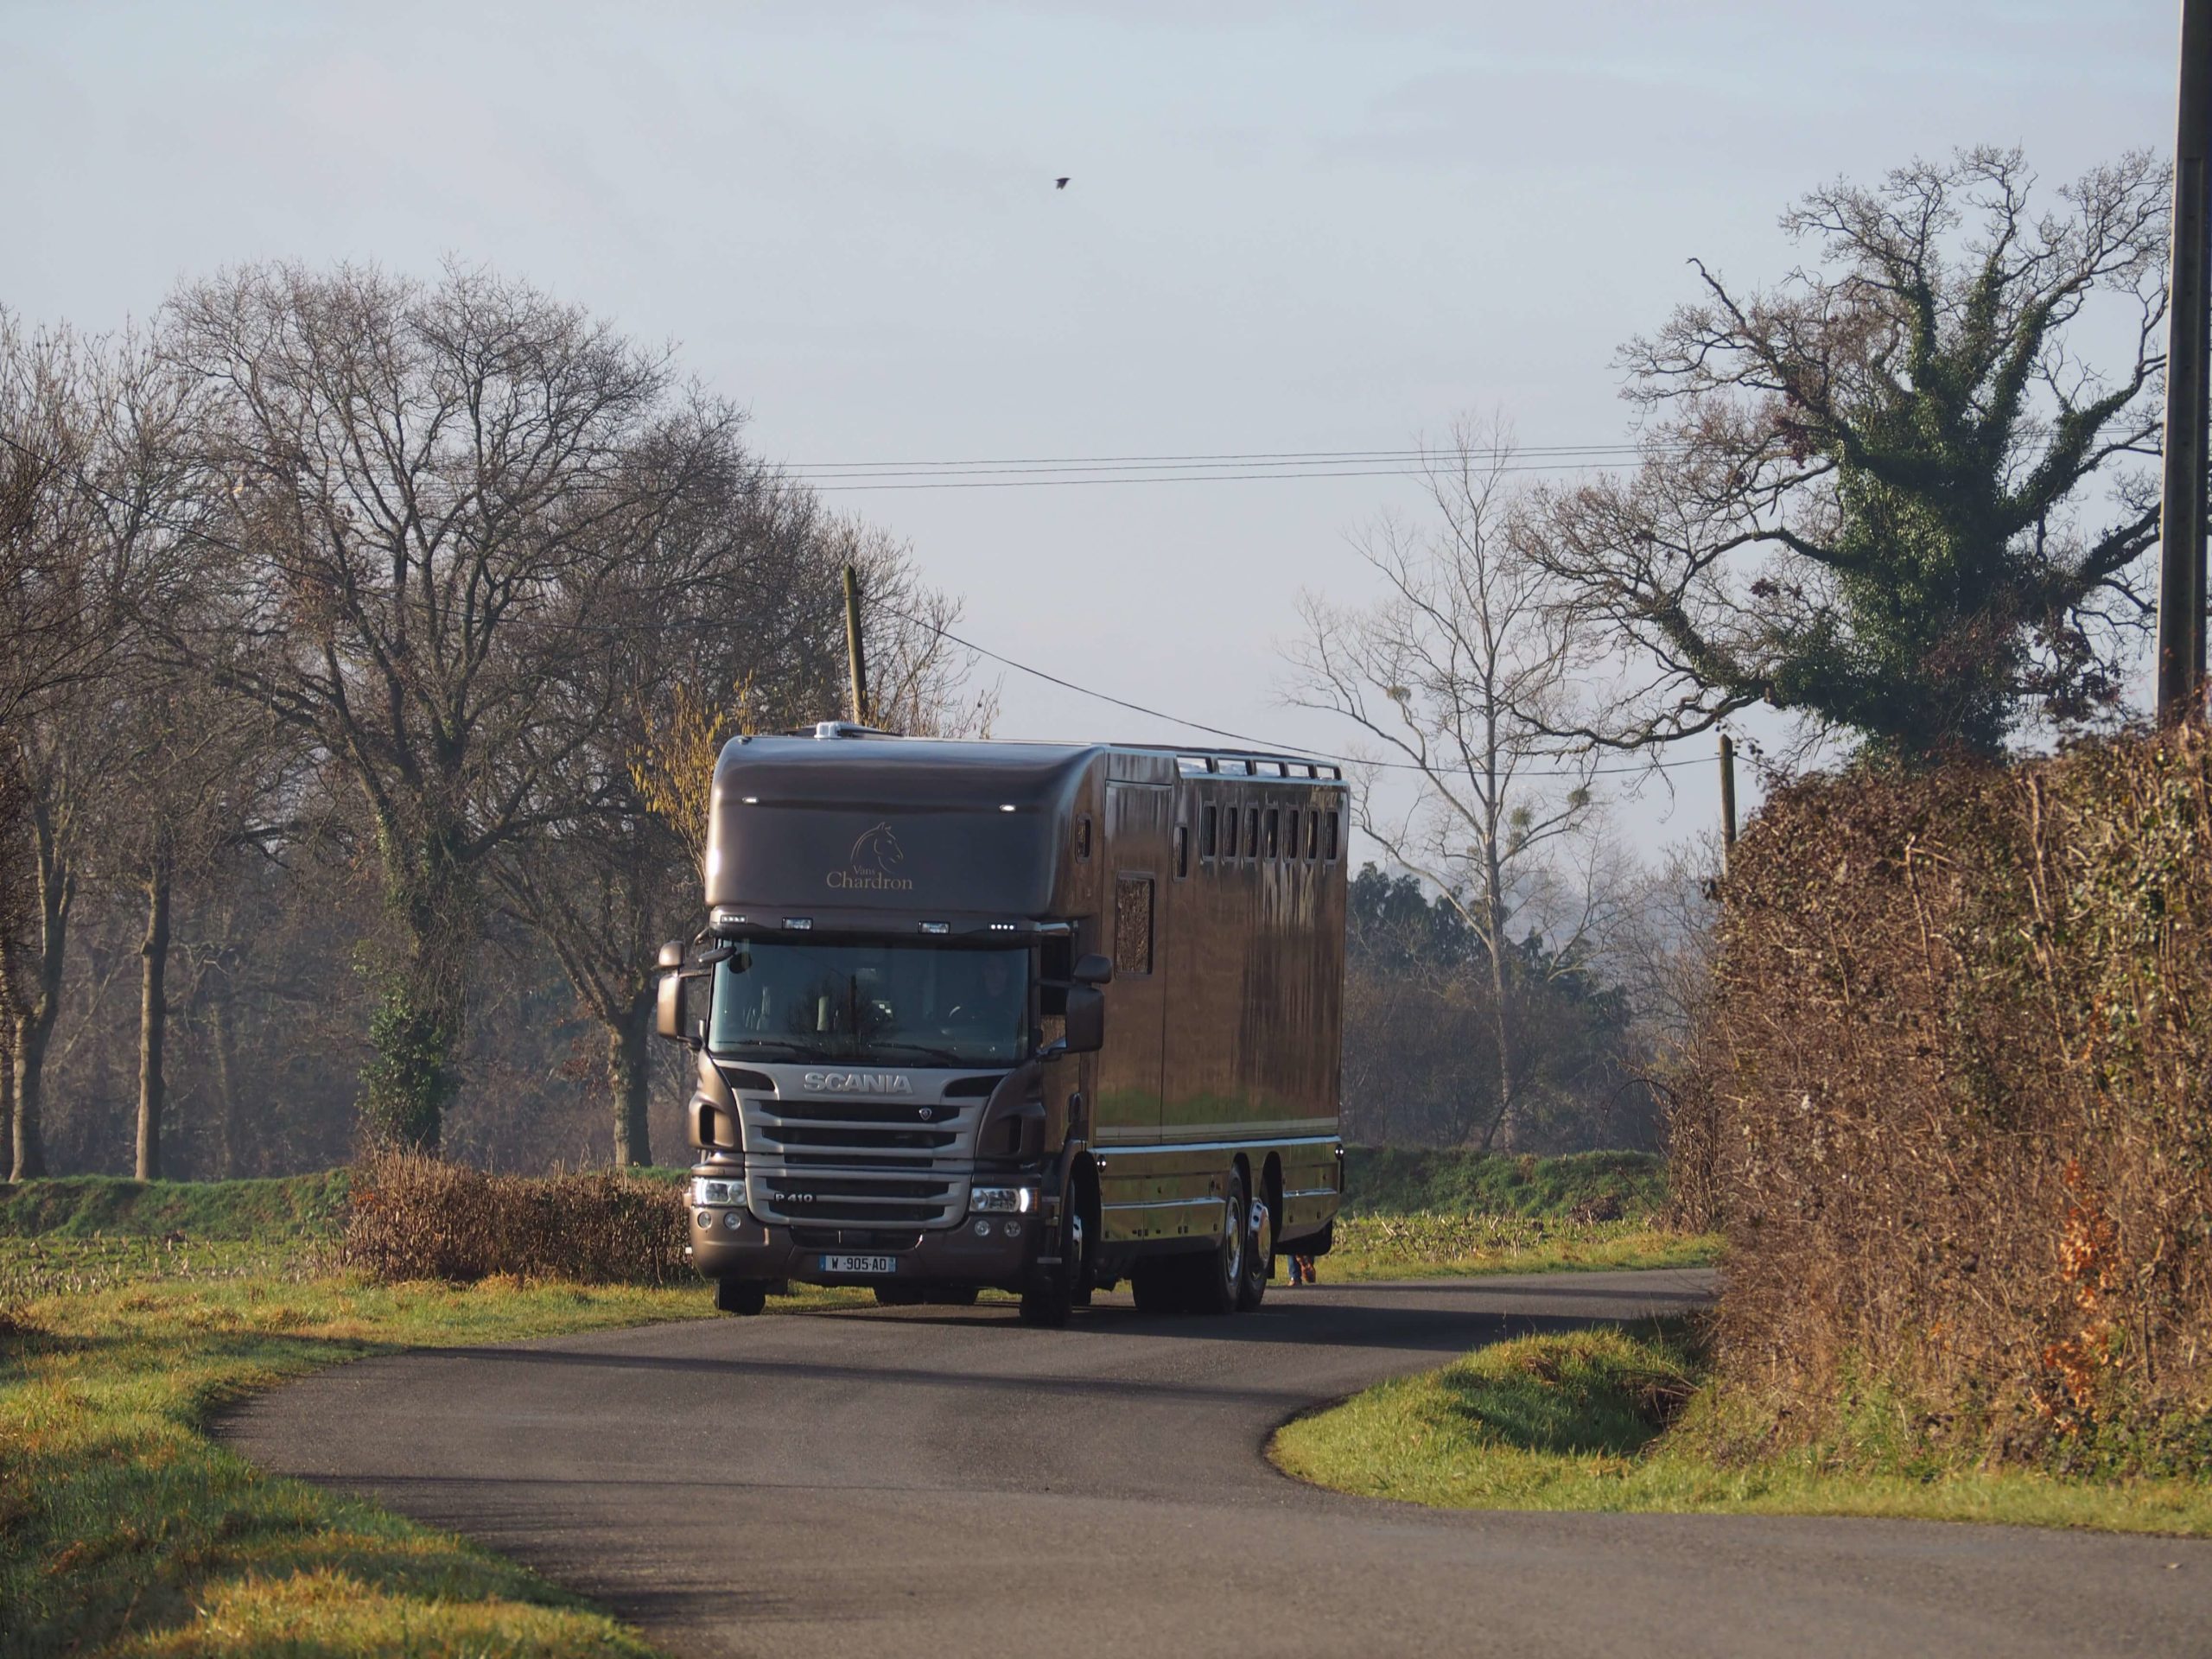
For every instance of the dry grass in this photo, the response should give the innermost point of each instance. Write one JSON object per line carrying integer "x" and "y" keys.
{"x": 414, "y": 1217}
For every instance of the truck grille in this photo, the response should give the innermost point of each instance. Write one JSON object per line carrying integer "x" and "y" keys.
{"x": 858, "y": 1163}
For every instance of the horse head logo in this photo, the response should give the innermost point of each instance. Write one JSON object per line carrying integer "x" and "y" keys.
{"x": 877, "y": 853}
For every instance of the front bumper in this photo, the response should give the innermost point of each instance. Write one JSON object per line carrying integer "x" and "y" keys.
{"x": 1000, "y": 1251}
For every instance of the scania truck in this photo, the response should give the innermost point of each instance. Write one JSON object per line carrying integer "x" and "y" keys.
{"x": 1035, "y": 1017}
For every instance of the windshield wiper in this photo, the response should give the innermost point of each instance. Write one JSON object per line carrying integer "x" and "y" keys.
{"x": 924, "y": 1051}
{"x": 753, "y": 1044}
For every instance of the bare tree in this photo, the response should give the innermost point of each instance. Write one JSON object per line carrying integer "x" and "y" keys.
{"x": 1459, "y": 676}
{"x": 1864, "y": 493}
{"x": 92, "y": 470}
{"x": 202, "y": 774}
{"x": 434, "y": 488}
{"x": 751, "y": 637}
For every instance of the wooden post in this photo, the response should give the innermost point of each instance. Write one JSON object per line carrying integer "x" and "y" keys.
{"x": 1727, "y": 793}
{"x": 853, "y": 650}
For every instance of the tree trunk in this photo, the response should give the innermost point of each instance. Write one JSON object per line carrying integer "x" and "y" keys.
{"x": 1501, "y": 1011}
{"x": 31, "y": 1033}
{"x": 226, "y": 1044}
{"x": 8, "y": 1099}
{"x": 421, "y": 1016}
{"x": 629, "y": 1076}
{"x": 153, "y": 1021}
{"x": 57, "y": 889}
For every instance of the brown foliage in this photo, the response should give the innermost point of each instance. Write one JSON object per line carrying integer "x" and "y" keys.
{"x": 1950, "y": 1099}
{"x": 417, "y": 1217}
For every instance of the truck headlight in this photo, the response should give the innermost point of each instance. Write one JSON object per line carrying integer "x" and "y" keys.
{"x": 1002, "y": 1200}
{"x": 717, "y": 1193}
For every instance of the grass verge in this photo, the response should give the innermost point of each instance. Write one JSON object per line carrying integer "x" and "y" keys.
{"x": 1579, "y": 1185}
{"x": 1614, "y": 1419}
{"x": 125, "y": 1530}
{"x": 1434, "y": 1246}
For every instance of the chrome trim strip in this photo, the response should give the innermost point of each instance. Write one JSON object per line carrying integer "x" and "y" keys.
{"x": 1116, "y": 1148}
{"x": 1166, "y": 1204}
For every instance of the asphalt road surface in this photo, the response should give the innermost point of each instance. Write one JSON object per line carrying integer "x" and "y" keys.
{"x": 931, "y": 1481}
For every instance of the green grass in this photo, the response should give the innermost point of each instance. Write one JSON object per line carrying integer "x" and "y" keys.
{"x": 131, "y": 1312}
{"x": 124, "y": 1528}
{"x": 82, "y": 1206}
{"x": 1582, "y": 1186}
{"x": 1434, "y": 1246}
{"x": 1614, "y": 1419}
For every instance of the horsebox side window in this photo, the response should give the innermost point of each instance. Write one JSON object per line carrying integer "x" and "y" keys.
{"x": 1182, "y": 851}
{"x": 1290, "y": 835}
{"x": 1312, "y": 834}
{"x": 1229, "y": 836}
{"x": 1132, "y": 923}
{"x": 1275, "y": 831}
{"x": 1082, "y": 837}
{"x": 1329, "y": 848}
{"x": 1208, "y": 825}
{"x": 1251, "y": 832}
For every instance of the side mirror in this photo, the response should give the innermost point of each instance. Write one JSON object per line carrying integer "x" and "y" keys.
{"x": 668, "y": 1007}
{"x": 668, "y": 993}
{"x": 1085, "y": 1028}
{"x": 1093, "y": 970}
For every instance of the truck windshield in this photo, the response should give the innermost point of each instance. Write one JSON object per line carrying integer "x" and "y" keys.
{"x": 910, "y": 1003}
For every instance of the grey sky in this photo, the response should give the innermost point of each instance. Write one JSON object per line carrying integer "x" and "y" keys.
{"x": 1288, "y": 229}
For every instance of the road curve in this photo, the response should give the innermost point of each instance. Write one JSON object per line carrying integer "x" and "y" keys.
{"x": 931, "y": 1481}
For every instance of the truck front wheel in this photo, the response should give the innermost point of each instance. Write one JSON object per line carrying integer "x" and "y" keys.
{"x": 743, "y": 1296}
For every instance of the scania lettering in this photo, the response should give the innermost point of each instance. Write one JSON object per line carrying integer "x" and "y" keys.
{"x": 1031, "y": 1017}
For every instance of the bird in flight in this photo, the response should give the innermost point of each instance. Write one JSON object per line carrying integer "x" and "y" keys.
{"x": 1059, "y": 184}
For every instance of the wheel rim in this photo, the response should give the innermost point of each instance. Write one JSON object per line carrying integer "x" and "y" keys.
{"x": 1237, "y": 1223}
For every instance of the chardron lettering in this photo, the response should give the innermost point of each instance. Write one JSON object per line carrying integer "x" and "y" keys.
{"x": 873, "y": 865}
{"x": 859, "y": 1083}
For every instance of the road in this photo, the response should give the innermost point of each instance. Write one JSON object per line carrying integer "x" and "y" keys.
{"x": 931, "y": 1481}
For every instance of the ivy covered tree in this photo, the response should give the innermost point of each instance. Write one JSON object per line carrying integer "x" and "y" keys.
{"x": 1889, "y": 495}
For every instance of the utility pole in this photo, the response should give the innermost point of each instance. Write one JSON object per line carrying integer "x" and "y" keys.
{"x": 853, "y": 646}
{"x": 1727, "y": 795}
{"x": 2188, "y": 378}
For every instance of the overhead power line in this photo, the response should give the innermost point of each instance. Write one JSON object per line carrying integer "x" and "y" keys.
{"x": 944, "y": 633}
{"x": 1216, "y": 467}
{"x": 1305, "y": 751}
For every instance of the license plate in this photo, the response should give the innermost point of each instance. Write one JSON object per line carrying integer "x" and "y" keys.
{"x": 860, "y": 1264}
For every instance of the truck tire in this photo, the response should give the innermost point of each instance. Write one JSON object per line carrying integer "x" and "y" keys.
{"x": 1050, "y": 1303}
{"x": 1259, "y": 1257}
{"x": 1217, "y": 1279}
{"x": 740, "y": 1296}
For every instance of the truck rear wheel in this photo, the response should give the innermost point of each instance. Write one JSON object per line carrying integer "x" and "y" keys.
{"x": 1217, "y": 1279}
{"x": 742, "y": 1296}
{"x": 1259, "y": 1257}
